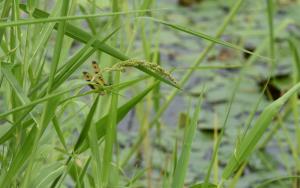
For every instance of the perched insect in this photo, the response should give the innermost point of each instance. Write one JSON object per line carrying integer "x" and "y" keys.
{"x": 96, "y": 80}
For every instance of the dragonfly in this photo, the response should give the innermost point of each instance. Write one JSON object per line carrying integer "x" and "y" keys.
{"x": 96, "y": 80}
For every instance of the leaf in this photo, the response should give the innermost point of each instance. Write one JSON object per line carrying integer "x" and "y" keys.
{"x": 101, "y": 124}
{"x": 122, "y": 111}
{"x": 10, "y": 77}
{"x": 185, "y": 77}
{"x": 32, "y": 104}
{"x": 183, "y": 162}
{"x": 204, "y": 185}
{"x": 57, "y": 47}
{"x": 294, "y": 49}
{"x": 248, "y": 142}
{"x": 87, "y": 125}
{"x": 65, "y": 18}
{"x": 19, "y": 159}
{"x": 110, "y": 136}
{"x": 206, "y": 37}
{"x": 82, "y": 36}
{"x": 46, "y": 175}
{"x": 36, "y": 102}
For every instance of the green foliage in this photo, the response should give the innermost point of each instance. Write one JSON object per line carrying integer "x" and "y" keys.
{"x": 118, "y": 127}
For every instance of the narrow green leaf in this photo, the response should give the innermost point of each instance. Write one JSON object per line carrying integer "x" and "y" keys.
{"x": 58, "y": 46}
{"x": 82, "y": 36}
{"x": 206, "y": 37}
{"x": 66, "y": 18}
{"x": 87, "y": 125}
{"x": 19, "y": 159}
{"x": 59, "y": 132}
{"x": 110, "y": 135}
{"x": 101, "y": 124}
{"x": 46, "y": 175}
{"x": 293, "y": 47}
{"x": 95, "y": 158}
{"x": 204, "y": 185}
{"x": 271, "y": 28}
{"x": 12, "y": 130}
{"x": 127, "y": 84}
{"x": 186, "y": 76}
{"x": 248, "y": 143}
{"x": 6, "y": 71}
{"x": 38, "y": 101}
{"x": 4, "y": 14}
{"x": 32, "y": 104}
{"x": 183, "y": 161}
{"x": 122, "y": 111}
{"x": 273, "y": 180}
{"x": 85, "y": 168}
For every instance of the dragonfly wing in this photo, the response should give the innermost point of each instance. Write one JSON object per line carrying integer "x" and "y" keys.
{"x": 88, "y": 77}
{"x": 98, "y": 75}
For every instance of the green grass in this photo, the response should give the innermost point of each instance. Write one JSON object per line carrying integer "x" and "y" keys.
{"x": 55, "y": 131}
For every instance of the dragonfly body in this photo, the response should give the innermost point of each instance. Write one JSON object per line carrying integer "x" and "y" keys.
{"x": 96, "y": 80}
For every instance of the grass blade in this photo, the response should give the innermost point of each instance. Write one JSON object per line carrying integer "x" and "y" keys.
{"x": 101, "y": 123}
{"x": 82, "y": 36}
{"x": 183, "y": 161}
{"x": 248, "y": 143}
{"x": 110, "y": 136}
{"x": 19, "y": 159}
{"x": 296, "y": 56}
{"x": 207, "y": 37}
{"x": 88, "y": 122}
{"x": 122, "y": 111}
{"x": 186, "y": 77}
{"x": 36, "y": 102}
{"x": 66, "y": 18}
